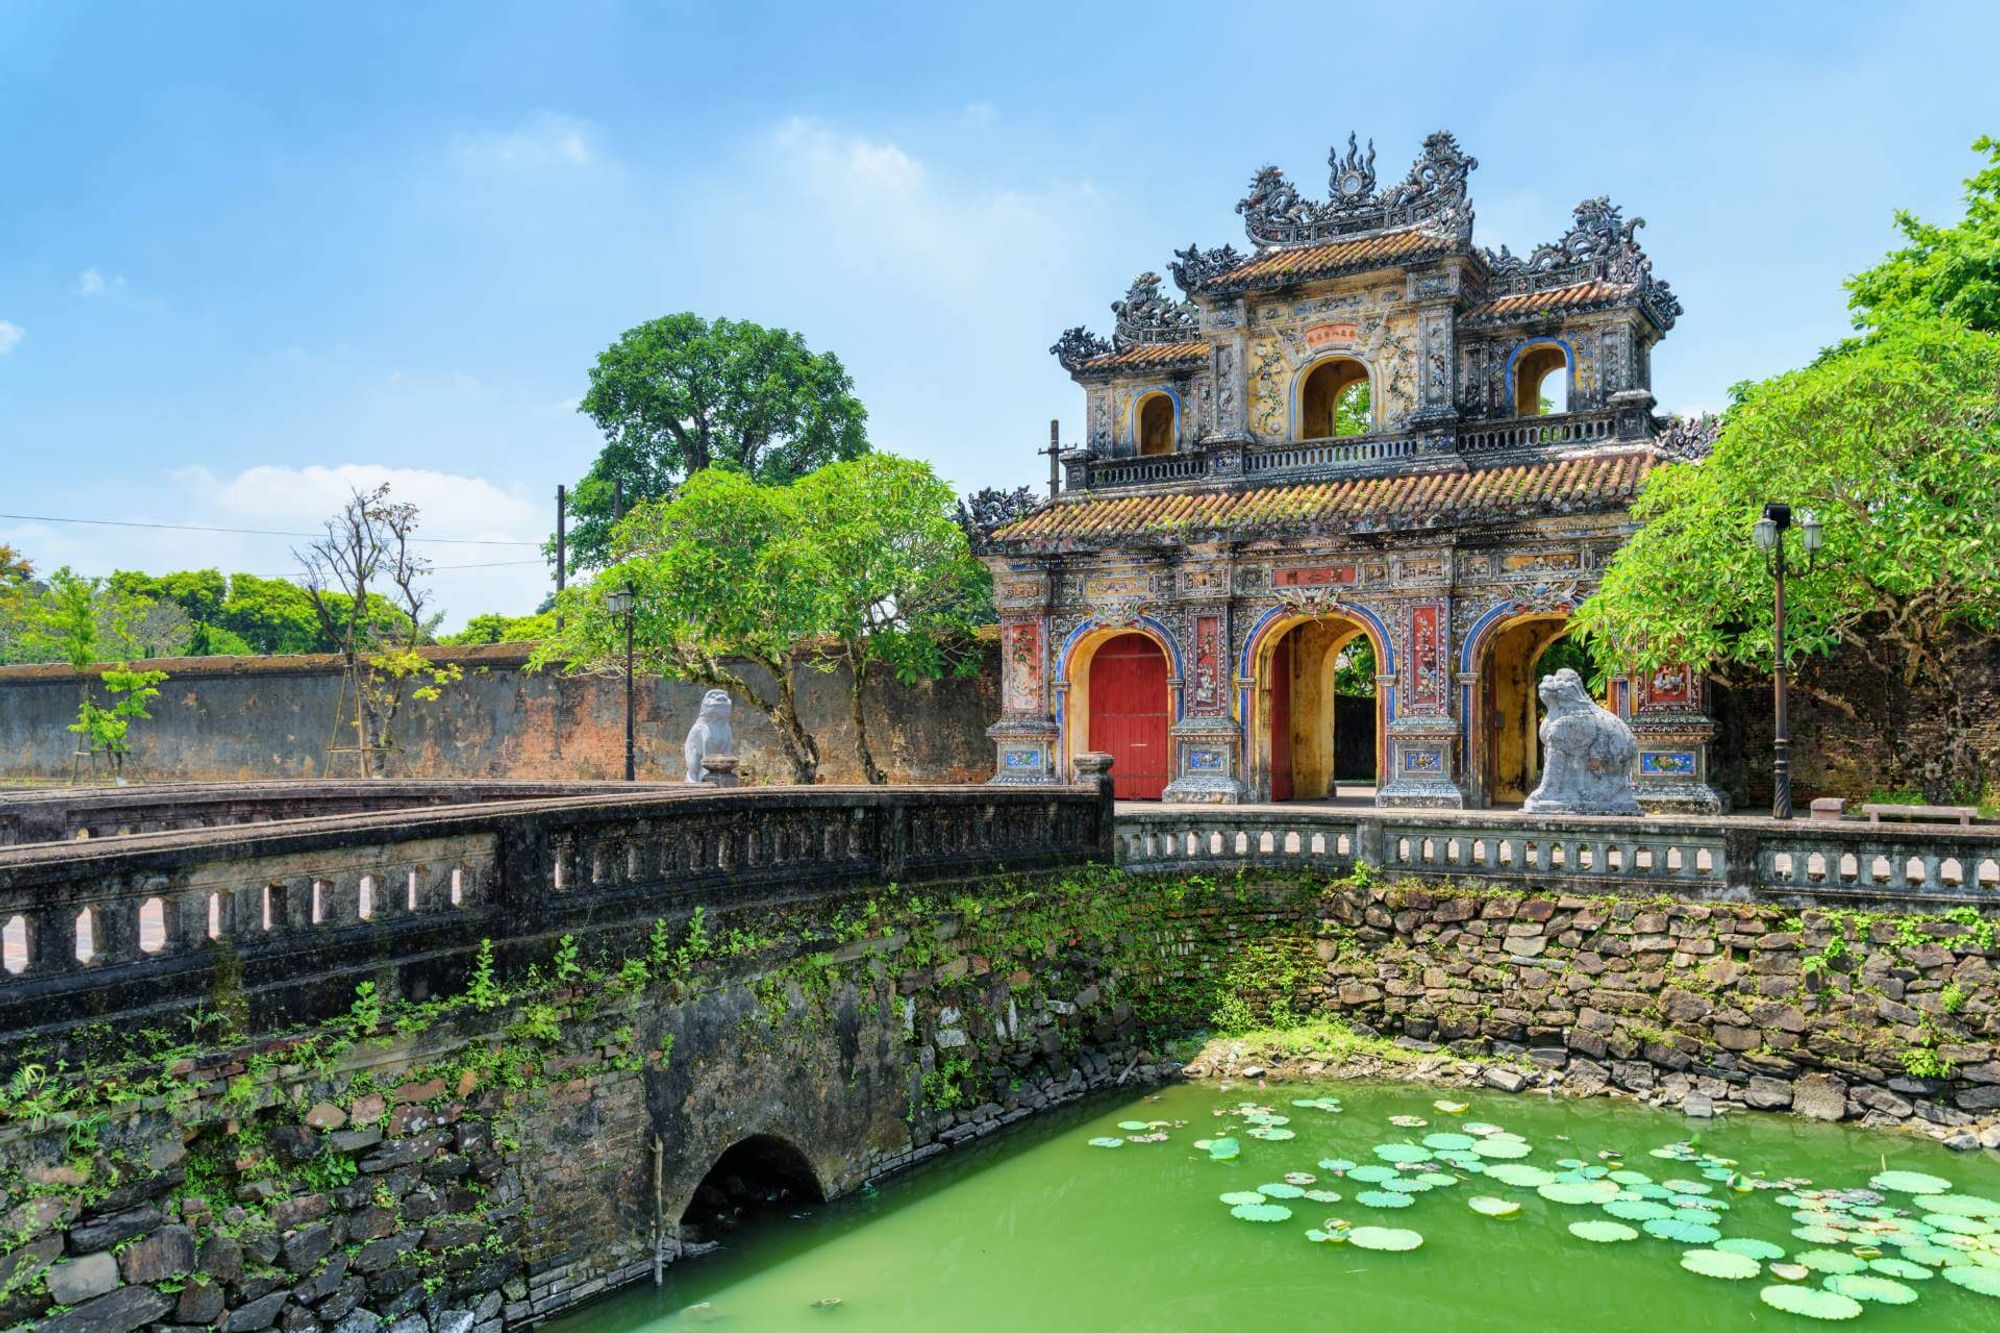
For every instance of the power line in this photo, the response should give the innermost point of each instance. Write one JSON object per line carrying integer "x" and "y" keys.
{"x": 253, "y": 532}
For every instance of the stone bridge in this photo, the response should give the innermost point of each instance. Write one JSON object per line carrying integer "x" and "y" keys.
{"x": 368, "y": 1053}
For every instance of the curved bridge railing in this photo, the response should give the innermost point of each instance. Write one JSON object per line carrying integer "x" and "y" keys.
{"x": 283, "y": 918}
{"x": 1728, "y": 857}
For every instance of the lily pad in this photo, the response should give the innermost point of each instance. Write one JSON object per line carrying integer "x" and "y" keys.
{"x": 1961, "y": 1226}
{"x": 1503, "y": 1148}
{"x": 1261, "y": 1212}
{"x": 1791, "y": 1272}
{"x": 1985, "y": 1281}
{"x": 1335, "y": 1164}
{"x": 1631, "y": 1177}
{"x": 1394, "y": 1239}
{"x": 1235, "y": 1198}
{"x": 1271, "y": 1135}
{"x": 1223, "y": 1150}
{"x": 1488, "y": 1206}
{"x": 1910, "y": 1182}
{"x": 1481, "y": 1128}
{"x": 1638, "y": 1210}
{"x": 1750, "y": 1248}
{"x": 1811, "y": 1302}
{"x": 1402, "y": 1152}
{"x": 1300, "y": 1178}
{"x": 1868, "y": 1287}
{"x": 1902, "y": 1269}
{"x": 1372, "y": 1174}
{"x": 1107, "y": 1143}
{"x": 1450, "y": 1108}
{"x": 1955, "y": 1205}
{"x": 1322, "y": 1196}
{"x": 1578, "y": 1191}
{"x": 1408, "y": 1121}
{"x": 1280, "y": 1190}
{"x": 1450, "y": 1142}
{"x": 1383, "y": 1199}
{"x": 1520, "y": 1175}
{"x": 1682, "y": 1233}
{"x": 1830, "y": 1261}
{"x": 1722, "y": 1264}
{"x": 1601, "y": 1232}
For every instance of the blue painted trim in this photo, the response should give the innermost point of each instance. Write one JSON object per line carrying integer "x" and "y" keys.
{"x": 1139, "y": 398}
{"x": 1298, "y": 389}
{"x": 1569, "y": 365}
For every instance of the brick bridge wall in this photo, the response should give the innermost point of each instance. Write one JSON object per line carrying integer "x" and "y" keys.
{"x": 227, "y": 719}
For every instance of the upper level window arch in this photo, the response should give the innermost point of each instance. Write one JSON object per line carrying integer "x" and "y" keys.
{"x": 1335, "y": 399}
{"x": 1155, "y": 424}
{"x": 1541, "y": 373}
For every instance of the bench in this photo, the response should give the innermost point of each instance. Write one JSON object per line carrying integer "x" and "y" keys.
{"x": 1930, "y": 814}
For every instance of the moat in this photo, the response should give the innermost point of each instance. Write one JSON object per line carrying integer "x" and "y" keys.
{"x": 1600, "y": 1206}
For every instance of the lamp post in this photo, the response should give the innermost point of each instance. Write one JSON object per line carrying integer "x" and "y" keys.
{"x": 623, "y": 601}
{"x": 1769, "y": 534}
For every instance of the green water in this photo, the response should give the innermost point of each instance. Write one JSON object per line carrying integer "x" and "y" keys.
{"x": 1040, "y": 1231}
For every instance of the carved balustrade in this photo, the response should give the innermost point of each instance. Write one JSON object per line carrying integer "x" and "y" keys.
{"x": 294, "y": 912}
{"x": 1733, "y": 857}
{"x": 1308, "y": 459}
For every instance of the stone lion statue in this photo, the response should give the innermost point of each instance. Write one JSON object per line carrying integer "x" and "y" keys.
{"x": 1588, "y": 754}
{"x": 710, "y": 734}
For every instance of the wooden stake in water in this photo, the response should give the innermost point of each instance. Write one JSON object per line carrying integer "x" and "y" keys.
{"x": 659, "y": 1218}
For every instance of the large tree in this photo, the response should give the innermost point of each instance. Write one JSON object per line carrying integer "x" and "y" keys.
{"x": 679, "y": 394}
{"x": 1894, "y": 442}
{"x": 903, "y": 590}
{"x": 1949, "y": 271}
{"x": 725, "y": 581}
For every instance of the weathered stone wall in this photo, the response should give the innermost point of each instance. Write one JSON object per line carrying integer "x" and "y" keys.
{"x": 484, "y": 1161}
{"x": 1880, "y": 1017}
{"x": 1857, "y": 729}
{"x": 223, "y": 719}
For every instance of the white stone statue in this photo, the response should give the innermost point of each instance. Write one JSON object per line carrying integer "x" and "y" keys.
{"x": 1588, "y": 754}
{"x": 709, "y": 736}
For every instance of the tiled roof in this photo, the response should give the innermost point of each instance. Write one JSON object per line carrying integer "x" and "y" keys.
{"x": 1318, "y": 261}
{"x": 1556, "y": 298}
{"x": 1149, "y": 354}
{"x": 1564, "y": 485}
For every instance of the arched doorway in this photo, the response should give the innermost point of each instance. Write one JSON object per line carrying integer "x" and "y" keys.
{"x": 1334, "y": 400}
{"x": 1518, "y": 654}
{"x": 1321, "y": 714}
{"x": 1126, "y": 698}
{"x": 1541, "y": 380}
{"x": 1156, "y": 425}
{"x": 758, "y": 1175}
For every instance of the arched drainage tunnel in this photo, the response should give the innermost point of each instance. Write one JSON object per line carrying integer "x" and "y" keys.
{"x": 756, "y": 1176}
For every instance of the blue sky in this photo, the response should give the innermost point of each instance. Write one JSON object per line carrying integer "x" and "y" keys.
{"x": 249, "y": 253}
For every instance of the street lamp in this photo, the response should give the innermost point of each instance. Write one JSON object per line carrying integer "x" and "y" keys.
{"x": 623, "y": 601}
{"x": 1769, "y": 534}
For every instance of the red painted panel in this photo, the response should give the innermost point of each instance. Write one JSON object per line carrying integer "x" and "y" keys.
{"x": 1128, "y": 715}
{"x": 1281, "y": 721}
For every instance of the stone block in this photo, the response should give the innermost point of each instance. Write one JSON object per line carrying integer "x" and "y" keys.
{"x": 82, "y": 1279}
{"x": 120, "y": 1311}
{"x": 258, "y": 1314}
{"x": 102, "y": 1233}
{"x": 1767, "y": 1094}
{"x": 166, "y": 1253}
{"x": 1820, "y": 1097}
{"x": 200, "y": 1302}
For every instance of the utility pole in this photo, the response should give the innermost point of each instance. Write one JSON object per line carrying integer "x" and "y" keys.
{"x": 1054, "y": 451}
{"x": 562, "y": 551}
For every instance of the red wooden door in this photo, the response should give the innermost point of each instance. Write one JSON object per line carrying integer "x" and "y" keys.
{"x": 1128, "y": 715}
{"x": 1281, "y": 721}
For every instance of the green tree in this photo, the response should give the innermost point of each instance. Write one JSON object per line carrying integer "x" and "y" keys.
{"x": 1950, "y": 271}
{"x": 1353, "y": 410}
{"x": 272, "y": 616}
{"x": 492, "y": 627}
{"x": 17, "y": 601}
{"x": 725, "y": 578}
{"x": 107, "y": 730}
{"x": 1895, "y": 444}
{"x": 679, "y": 394}
{"x": 903, "y": 590}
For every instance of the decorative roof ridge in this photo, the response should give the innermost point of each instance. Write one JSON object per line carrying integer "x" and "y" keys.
{"x": 1600, "y": 246}
{"x": 1144, "y": 317}
{"x": 1432, "y": 195}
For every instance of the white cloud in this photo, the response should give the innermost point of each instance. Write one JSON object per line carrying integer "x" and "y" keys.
{"x": 10, "y": 336}
{"x": 541, "y": 141}
{"x": 91, "y": 282}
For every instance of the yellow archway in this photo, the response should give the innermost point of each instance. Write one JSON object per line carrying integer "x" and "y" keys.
{"x": 1317, "y": 398}
{"x": 1306, "y": 650}
{"x": 1509, "y": 717}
